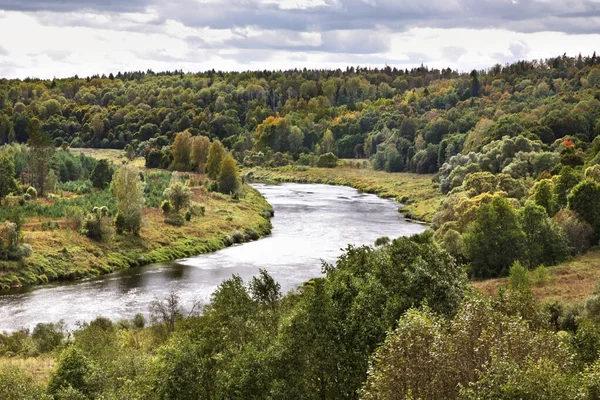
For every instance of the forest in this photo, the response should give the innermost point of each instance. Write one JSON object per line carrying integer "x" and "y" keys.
{"x": 511, "y": 160}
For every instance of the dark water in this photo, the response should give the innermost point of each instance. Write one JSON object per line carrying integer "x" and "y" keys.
{"x": 311, "y": 223}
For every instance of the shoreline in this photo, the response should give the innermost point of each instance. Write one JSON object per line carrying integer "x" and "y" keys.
{"x": 56, "y": 265}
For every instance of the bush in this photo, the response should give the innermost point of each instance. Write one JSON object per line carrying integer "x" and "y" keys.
{"x": 139, "y": 321}
{"x": 175, "y": 219}
{"x": 540, "y": 276}
{"x": 188, "y": 215}
{"x": 197, "y": 210}
{"x": 166, "y": 207}
{"x": 120, "y": 223}
{"x": 31, "y": 192}
{"x": 74, "y": 216}
{"x": 27, "y": 197}
{"x": 16, "y": 384}
{"x": 518, "y": 276}
{"x": 237, "y": 237}
{"x": 94, "y": 225}
{"x": 48, "y": 337}
{"x": 73, "y": 370}
{"x": 328, "y": 160}
{"x": 251, "y": 234}
{"x": 382, "y": 241}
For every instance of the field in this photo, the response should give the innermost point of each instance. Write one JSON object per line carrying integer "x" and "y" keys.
{"x": 113, "y": 155}
{"x": 66, "y": 254}
{"x": 570, "y": 282}
{"x": 416, "y": 191}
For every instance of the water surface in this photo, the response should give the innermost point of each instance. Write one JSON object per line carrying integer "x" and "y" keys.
{"x": 311, "y": 223}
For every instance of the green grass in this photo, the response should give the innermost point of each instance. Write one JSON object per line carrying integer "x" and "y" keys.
{"x": 64, "y": 254}
{"x": 416, "y": 191}
{"x": 571, "y": 282}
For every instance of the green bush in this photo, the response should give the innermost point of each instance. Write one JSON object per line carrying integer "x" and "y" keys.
{"x": 27, "y": 197}
{"x": 188, "y": 215}
{"x": 166, "y": 207}
{"x": 31, "y": 192}
{"x": 328, "y": 160}
{"x": 175, "y": 219}
{"x": 48, "y": 336}
{"x": 251, "y": 234}
{"x": 16, "y": 384}
{"x": 73, "y": 370}
{"x": 237, "y": 237}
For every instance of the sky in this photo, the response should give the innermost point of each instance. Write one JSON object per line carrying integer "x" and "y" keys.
{"x": 61, "y": 38}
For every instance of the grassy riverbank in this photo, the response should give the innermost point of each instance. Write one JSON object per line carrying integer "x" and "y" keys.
{"x": 416, "y": 191}
{"x": 64, "y": 253}
{"x": 572, "y": 281}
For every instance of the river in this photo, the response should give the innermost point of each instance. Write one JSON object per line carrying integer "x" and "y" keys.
{"x": 311, "y": 223}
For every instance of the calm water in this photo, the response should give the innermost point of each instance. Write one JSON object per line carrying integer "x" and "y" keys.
{"x": 311, "y": 223}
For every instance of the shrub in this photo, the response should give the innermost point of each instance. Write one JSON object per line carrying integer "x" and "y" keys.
{"x": 251, "y": 234}
{"x": 188, "y": 215}
{"x": 27, "y": 197}
{"x": 74, "y": 216}
{"x": 94, "y": 225}
{"x": 166, "y": 207}
{"x": 15, "y": 384}
{"x": 139, "y": 321}
{"x": 74, "y": 370}
{"x": 212, "y": 186}
{"x": 175, "y": 219}
{"x": 382, "y": 241}
{"x": 31, "y": 192}
{"x": 48, "y": 337}
{"x": 328, "y": 160}
{"x": 518, "y": 276}
{"x": 197, "y": 210}
{"x": 120, "y": 223}
{"x": 579, "y": 233}
{"x": 237, "y": 237}
{"x": 179, "y": 196}
{"x": 540, "y": 276}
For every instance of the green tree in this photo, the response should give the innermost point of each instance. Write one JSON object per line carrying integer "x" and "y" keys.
{"x": 179, "y": 196}
{"x": 229, "y": 181}
{"x": 199, "y": 152}
{"x": 543, "y": 195}
{"x": 102, "y": 174}
{"x": 567, "y": 180}
{"x": 181, "y": 150}
{"x": 216, "y": 154}
{"x": 73, "y": 370}
{"x": 545, "y": 242}
{"x": 128, "y": 189}
{"x": 8, "y": 184}
{"x": 584, "y": 199}
{"x": 495, "y": 239}
{"x": 130, "y": 152}
{"x": 42, "y": 150}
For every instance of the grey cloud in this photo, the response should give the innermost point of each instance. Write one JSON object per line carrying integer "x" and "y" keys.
{"x": 522, "y": 15}
{"x": 116, "y": 6}
{"x": 356, "y": 42}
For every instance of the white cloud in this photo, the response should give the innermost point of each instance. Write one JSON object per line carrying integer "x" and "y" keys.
{"x": 47, "y": 44}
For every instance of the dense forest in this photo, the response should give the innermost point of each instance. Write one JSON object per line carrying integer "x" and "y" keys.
{"x": 512, "y": 151}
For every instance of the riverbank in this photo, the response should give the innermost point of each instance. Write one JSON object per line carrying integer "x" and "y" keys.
{"x": 65, "y": 254}
{"x": 417, "y": 192}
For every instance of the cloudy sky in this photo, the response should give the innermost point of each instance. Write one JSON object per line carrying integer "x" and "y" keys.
{"x": 46, "y": 38}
